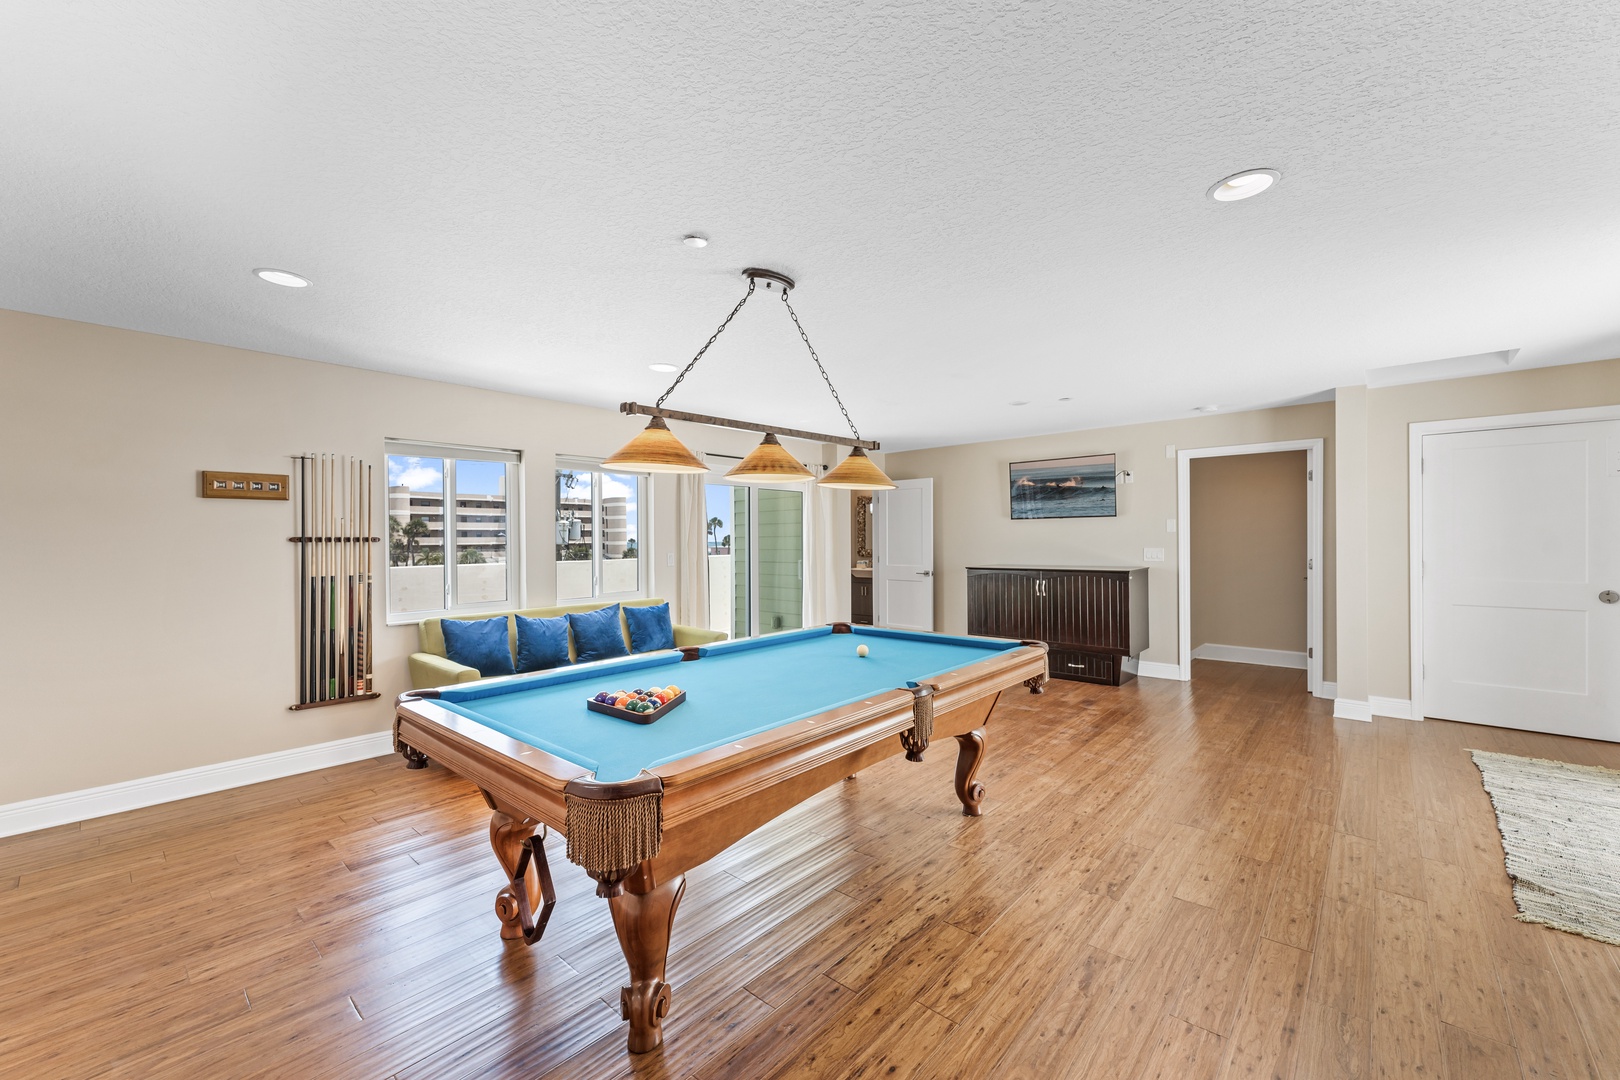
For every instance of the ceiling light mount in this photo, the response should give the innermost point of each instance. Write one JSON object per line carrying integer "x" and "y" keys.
{"x": 754, "y": 273}
{"x": 1243, "y": 185}
{"x": 657, "y": 450}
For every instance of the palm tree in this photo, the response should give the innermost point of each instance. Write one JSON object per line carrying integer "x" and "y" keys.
{"x": 715, "y": 525}
{"x": 413, "y": 530}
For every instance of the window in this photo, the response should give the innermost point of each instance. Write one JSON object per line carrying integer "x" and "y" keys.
{"x": 756, "y": 558}
{"x": 599, "y": 542}
{"x": 476, "y": 491}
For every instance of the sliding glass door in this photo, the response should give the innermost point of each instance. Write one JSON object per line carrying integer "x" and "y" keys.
{"x": 756, "y": 558}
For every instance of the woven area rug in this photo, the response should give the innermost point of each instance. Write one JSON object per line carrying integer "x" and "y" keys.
{"x": 1560, "y": 828}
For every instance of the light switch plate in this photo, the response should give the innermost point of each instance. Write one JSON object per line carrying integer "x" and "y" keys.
{"x": 1169, "y": 525}
{"x": 1170, "y": 450}
{"x": 1153, "y": 554}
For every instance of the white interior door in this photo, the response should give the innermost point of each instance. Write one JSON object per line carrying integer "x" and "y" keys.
{"x": 1521, "y": 549}
{"x": 903, "y": 556}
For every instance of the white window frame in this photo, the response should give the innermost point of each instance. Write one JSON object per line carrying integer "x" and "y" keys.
{"x": 449, "y": 453}
{"x": 644, "y": 553}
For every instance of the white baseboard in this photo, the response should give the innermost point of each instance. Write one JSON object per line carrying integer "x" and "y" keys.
{"x": 1329, "y": 691}
{"x": 1350, "y": 709}
{"x": 1243, "y": 654}
{"x": 51, "y": 810}
{"x": 1399, "y": 708}
{"x": 1152, "y": 669}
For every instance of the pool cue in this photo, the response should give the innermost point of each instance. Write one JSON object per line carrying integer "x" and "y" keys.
{"x": 331, "y": 592}
{"x": 305, "y": 606}
{"x": 341, "y": 465}
{"x": 300, "y": 523}
{"x": 354, "y": 572}
{"x": 371, "y": 568}
{"x": 320, "y": 579}
{"x": 326, "y": 577}
{"x": 306, "y": 601}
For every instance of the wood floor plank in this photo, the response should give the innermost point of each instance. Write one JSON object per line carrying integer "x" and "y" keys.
{"x": 1548, "y": 1045}
{"x": 1265, "y": 1035}
{"x": 1470, "y": 995}
{"x": 1178, "y": 1050}
{"x": 1332, "y": 1045}
{"x": 1589, "y": 972}
{"x": 1473, "y": 1057}
{"x": 1405, "y": 1019}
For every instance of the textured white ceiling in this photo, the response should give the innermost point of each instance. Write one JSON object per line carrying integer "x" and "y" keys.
{"x": 981, "y": 204}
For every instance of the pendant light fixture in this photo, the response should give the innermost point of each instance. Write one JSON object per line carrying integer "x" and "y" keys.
{"x": 657, "y": 449}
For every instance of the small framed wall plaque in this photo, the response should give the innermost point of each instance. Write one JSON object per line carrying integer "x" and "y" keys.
{"x": 244, "y": 485}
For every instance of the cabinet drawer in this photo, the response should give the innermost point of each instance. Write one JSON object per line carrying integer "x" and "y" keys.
{"x": 1084, "y": 666}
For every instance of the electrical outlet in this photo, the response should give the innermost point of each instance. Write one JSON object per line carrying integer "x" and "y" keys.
{"x": 1153, "y": 554}
{"x": 1127, "y": 477}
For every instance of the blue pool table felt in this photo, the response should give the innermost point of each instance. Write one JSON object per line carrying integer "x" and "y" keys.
{"x": 736, "y": 689}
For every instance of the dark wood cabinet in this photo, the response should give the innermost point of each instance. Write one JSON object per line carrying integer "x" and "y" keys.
{"x": 860, "y": 597}
{"x": 1091, "y": 617}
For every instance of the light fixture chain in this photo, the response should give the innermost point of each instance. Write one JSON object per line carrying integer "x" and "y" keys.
{"x": 824, "y": 376}
{"x": 660, "y": 402}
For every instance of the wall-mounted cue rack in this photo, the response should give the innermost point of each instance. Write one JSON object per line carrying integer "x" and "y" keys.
{"x": 334, "y": 579}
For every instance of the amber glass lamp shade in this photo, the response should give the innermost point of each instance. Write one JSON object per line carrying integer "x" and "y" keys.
{"x": 656, "y": 450}
{"x": 857, "y": 473}
{"x": 770, "y": 463}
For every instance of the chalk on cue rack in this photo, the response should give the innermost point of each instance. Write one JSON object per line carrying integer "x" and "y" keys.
{"x": 860, "y": 650}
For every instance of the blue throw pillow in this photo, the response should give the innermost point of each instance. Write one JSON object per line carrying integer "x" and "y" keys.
{"x": 479, "y": 643}
{"x": 598, "y": 634}
{"x": 650, "y": 628}
{"x": 542, "y": 643}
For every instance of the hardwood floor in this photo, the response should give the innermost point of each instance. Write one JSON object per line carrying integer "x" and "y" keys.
{"x": 1214, "y": 880}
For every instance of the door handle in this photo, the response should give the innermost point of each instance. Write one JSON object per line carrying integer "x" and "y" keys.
{"x": 925, "y": 573}
{"x": 1609, "y": 596}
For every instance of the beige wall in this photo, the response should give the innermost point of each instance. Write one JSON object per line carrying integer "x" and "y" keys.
{"x": 1390, "y": 412}
{"x": 171, "y": 643}
{"x": 1248, "y": 534}
{"x": 973, "y": 525}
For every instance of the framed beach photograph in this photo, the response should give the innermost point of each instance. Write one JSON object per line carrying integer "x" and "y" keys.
{"x": 1063, "y": 487}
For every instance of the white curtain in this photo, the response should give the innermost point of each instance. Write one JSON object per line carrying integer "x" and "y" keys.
{"x": 691, "y": 605}
{"x": 821, "y": 577}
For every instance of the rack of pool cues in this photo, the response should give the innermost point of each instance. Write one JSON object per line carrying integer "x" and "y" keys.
{"x": 335, "y": 556}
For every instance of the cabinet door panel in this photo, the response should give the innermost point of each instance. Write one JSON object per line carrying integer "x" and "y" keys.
{"x": 1088, "y": 610}
{"x": 1004, "y": 605}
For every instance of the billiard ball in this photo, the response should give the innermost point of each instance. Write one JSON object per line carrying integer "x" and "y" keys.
{"x": 860, "y": 650}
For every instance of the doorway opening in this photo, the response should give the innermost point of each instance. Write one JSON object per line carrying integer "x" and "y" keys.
{"x": 1249, "y": 547}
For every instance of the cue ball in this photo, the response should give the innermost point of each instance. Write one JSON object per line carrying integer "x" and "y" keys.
{"x": 860, "y": 650}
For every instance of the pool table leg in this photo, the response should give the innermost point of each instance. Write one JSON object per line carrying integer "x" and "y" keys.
{"x": 643, "y": 917}
{"x": 506, "y": 835}
{"x": 969, "y": 753}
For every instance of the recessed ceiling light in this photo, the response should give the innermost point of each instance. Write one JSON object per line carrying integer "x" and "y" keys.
{"x": 281, "y": 277}
{"x": 695, "y": 240}
{"x": 1018, "y": 403}
{"x": 1208, "y": 408}
{"x": 666, "y": 368}
{"x": 1243, "y": 185}
{"x": 1065, "y": 399}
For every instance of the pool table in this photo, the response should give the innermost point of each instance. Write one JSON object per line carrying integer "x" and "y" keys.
{"x": 767, "y": 722}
